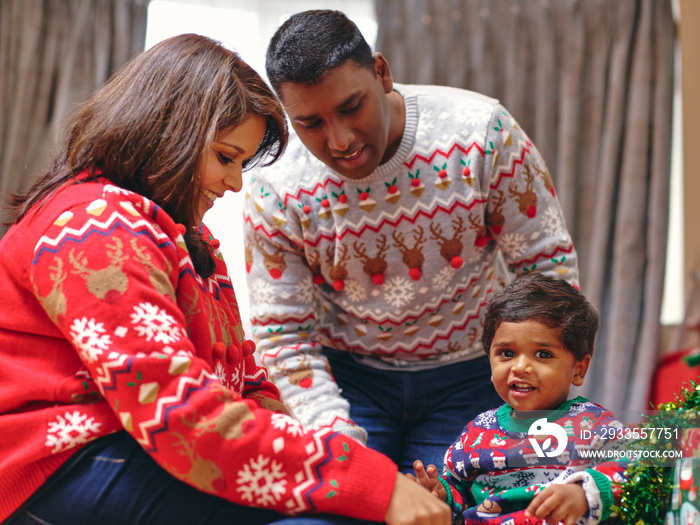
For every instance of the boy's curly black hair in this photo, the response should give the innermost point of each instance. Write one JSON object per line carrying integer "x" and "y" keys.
{"x": 549, "y": 300}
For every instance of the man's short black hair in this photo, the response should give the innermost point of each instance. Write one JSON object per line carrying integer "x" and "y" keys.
{"x": 549, "y": 300}
{"x": 311, "y": 43}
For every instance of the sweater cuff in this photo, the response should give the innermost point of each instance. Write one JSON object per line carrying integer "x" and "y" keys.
{"x": 362, "y": 463}
{"x": 356, "y": 433}
{"x": 598, "y": 493}
{"x": 605, "y": 491}
{"x": 450, "y": 500}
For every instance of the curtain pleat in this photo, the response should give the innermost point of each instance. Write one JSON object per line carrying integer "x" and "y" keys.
{"x": 591, "y": 82}
{"x": 53, "y": 54}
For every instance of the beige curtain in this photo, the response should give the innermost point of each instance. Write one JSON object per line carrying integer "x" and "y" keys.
{"x": 591, "y": 81}
{"x": 53, "y": 54}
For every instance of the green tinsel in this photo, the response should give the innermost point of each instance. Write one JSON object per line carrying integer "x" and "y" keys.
{"x": 646, "y": 492}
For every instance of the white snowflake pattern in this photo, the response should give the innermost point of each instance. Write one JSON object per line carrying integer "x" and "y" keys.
{"x": 513, "y": 244}
{"x": 235, "y": 383}
{"x": 90, "y": 338}
{"x": 576, "y": 409}
{"x": 443, "y": 278}
{"x": 220, "y": 372}
{"x": 486, "y": 419}
{"x": 399, "y": 292}
{"x": 261, "y": 481}
{"x": 69, "y": 430}
{"x": 426, "y": 127}
{"x": 288, "y": 424}
{"x": 478, "y": 115}
{"x": 551, "y": 222}
{"x": 476, "y": 255}
{"x": 261, "y": 292}
{"x": 355, "y": 291}
{"x": 304, "y": 292}
{"x": 155, "y": 324}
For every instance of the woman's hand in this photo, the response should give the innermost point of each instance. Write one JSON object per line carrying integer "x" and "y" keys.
{"x": 411, "y": 504}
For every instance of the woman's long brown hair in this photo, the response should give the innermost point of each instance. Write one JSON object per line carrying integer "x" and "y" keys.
{"x": 147, "y": 128}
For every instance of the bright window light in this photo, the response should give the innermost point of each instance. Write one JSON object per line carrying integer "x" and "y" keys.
{"x": 236, "y": 29}
{"x": 246, "y": 27}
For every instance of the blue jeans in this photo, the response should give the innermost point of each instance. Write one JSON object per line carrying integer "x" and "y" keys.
{"x": 115, "y": 482}
{"x": 414, "y": 415}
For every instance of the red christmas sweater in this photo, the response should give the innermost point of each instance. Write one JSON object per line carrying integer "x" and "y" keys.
{"x": 106, "y": 326}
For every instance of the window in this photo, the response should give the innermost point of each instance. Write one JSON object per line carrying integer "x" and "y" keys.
{"x": 245, "y": 26}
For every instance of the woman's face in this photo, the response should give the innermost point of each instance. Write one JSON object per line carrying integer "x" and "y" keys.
{"x": 222, "y": 164}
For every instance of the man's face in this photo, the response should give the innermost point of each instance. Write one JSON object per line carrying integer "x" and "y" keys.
{"x": 345, "y": 120}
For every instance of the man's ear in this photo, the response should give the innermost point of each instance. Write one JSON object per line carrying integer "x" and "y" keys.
{"x": 381, "y": 69}
{"x": 580, "y": 369}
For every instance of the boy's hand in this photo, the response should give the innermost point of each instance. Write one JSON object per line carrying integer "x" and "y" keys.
{"x": 427, "y": 477}
{"x": 559, "y": 503}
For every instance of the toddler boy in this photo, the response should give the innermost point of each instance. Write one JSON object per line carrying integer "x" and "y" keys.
{"x": 539, "y": 456}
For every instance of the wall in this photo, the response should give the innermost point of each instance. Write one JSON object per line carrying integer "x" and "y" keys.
{"x": 689, "y": 38}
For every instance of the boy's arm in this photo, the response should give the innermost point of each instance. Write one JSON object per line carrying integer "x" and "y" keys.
{"x": 559, "y": 504}
{"x": 601, "y": 480}
{"x": 456, "y": 493}
{"x": 598, "y": 482}
{"x": 458, "y": 473}
{"x": 588, "y": 492}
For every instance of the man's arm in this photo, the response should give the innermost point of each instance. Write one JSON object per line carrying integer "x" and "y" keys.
{"x": 284, "y": 306}
{"x": 523, "y": 212}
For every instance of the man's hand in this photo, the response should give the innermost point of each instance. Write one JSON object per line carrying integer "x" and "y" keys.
{"x": 559, "y": 503}
{"x": 427, "y": 477}
{"x": 411, "y": 504}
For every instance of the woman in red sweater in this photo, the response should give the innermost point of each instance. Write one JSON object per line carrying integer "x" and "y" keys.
{"x": 128, "y": 392}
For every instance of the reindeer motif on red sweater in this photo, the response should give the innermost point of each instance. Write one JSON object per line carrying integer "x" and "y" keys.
{"x": 107, "y": 283}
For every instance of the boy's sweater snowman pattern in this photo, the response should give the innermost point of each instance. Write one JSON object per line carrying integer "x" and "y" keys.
{"x": 493, "y": 471}
{"x": 396, "y": 267}
{"x": 104, "y": 313}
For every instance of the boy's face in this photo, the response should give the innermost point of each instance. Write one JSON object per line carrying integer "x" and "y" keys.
{"x": 530, "y": 367}
{"x": 345, "y": 120}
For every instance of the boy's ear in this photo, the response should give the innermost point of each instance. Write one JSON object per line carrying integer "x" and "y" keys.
{"x": 580, "y": 369}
